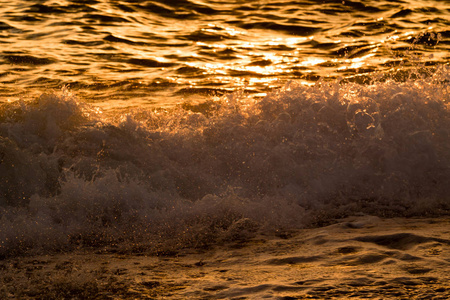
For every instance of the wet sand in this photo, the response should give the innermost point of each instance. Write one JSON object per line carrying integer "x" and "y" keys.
{"x": 359, "y": 258}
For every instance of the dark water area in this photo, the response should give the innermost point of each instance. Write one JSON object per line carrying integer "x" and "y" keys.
{"x": 134, "y": 53}
{"x": 171, "y": 124}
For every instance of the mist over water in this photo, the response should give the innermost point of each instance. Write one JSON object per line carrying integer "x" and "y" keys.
{"x": 160, "y": 125}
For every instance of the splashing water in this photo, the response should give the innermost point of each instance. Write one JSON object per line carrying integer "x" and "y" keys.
{"x": 190, "y": 175}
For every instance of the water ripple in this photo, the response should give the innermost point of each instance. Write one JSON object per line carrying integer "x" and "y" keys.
{"x": 192, "y": 44}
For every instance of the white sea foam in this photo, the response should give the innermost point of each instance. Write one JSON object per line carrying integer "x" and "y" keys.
{"x": 302, "y": 156}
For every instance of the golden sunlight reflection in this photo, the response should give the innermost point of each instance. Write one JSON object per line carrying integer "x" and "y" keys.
{"x": 262, "y": 58}
{"x": 133, "y": 50}
{"x": 312, "y": 61}
{"x": 228, "y": 30}
{"x": 356, "y": 63}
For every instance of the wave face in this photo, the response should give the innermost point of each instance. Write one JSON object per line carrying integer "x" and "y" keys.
{"x": 192, "y": 175}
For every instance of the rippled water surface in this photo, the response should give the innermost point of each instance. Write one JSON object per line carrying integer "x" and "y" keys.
{"x": 128, "y": 53}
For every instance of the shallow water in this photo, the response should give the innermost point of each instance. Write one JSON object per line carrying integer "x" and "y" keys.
{"x": 360, "y": 258}
{"x": 135, "y": 53}
{"x": 136, "y": 147}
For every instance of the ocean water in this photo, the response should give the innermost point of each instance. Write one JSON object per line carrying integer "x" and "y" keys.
{"x": 165, "y": 124}
{"x": 163, "y": 52}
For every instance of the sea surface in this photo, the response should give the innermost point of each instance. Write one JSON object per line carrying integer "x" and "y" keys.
{"x": 138, "y": 53}
{"x": 167, "y": 124}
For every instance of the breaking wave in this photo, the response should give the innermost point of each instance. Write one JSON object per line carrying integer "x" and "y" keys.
{"x": 73, "y": 176}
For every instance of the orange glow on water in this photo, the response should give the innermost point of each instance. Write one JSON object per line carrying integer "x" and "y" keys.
{"x": 144, "y": 49}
